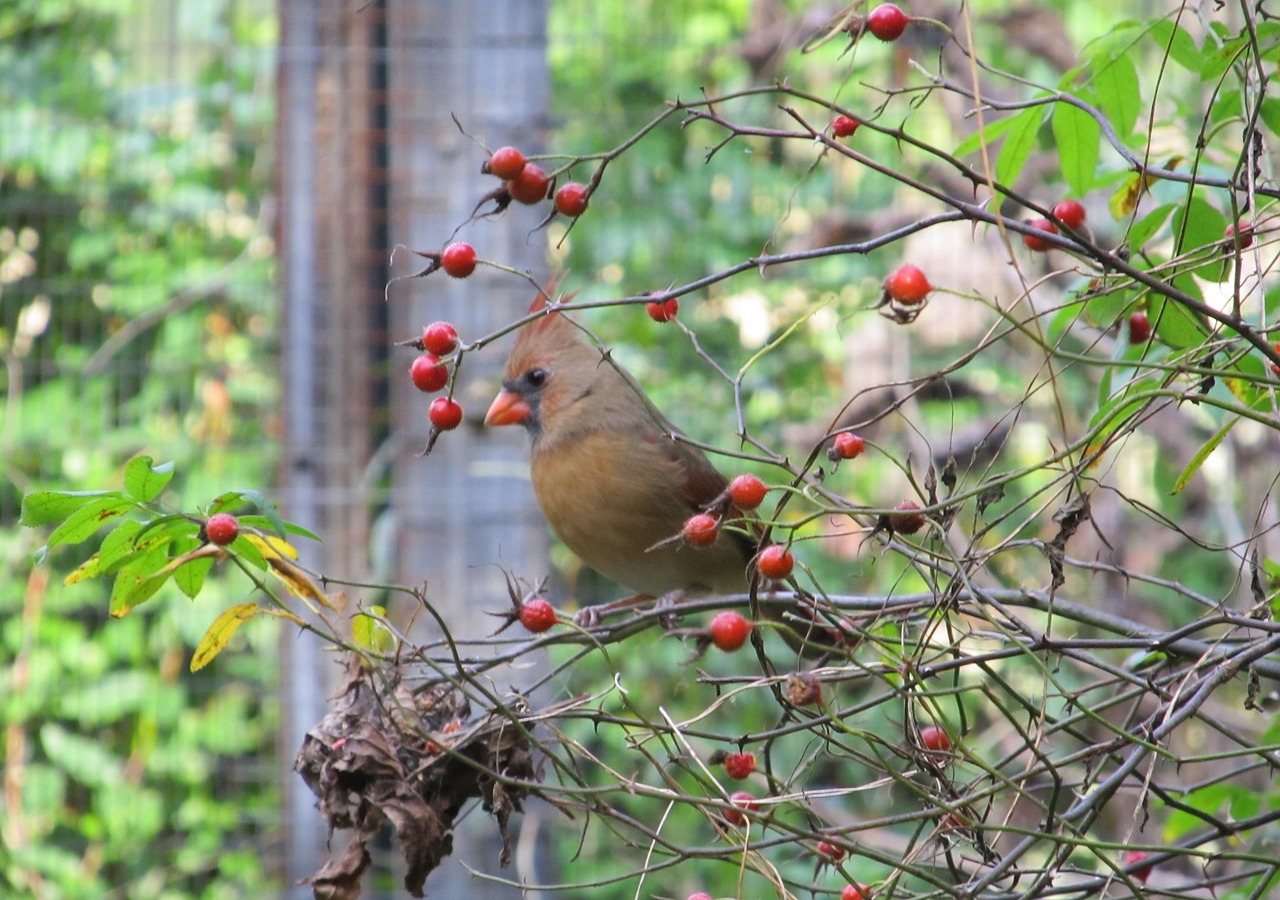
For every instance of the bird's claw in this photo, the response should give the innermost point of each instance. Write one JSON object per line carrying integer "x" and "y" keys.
{"x": 587, "y": 618}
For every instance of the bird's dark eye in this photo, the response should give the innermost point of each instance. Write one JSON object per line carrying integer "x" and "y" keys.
{"x": 536, "y": 377}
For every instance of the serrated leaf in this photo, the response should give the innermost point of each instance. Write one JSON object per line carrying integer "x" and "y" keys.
{"x": 1201, "y": 455}
{"x": 220, "y": 633}
{"x": 47, "y": 507}
{"x": 1076, "y": 134}
{"x": 369, "y": 633}
{"x": 144, "y": 481}
{"x": 85, "y": 521}
{"x": 1018, "y": 144}
{"x": 137, "y": 581}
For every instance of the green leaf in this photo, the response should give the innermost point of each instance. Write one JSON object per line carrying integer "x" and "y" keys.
{"x": 991, "y": 131}
{"x": 86, "y": 520}
{"x": 117, "y": 547}
{"x": 268, "y": 510}
{"x": 190, "y": 576}
{"x": 1018, "y": 144}
{"x": 1181, "y": 48}
{"x": 1201, "y": 455}
{"x": 47, "y": 507}
{"x": 1146, "y": 227}
{"x": 1119, "y": 94}
{"x": 137, "y": 581}
{"x": 1199, "y": 226}
{"x": 143, "y": 481}
{"x": 369, "y": 633}
{"x": 1077, "y": 134}
{"x": 266, "y": 524}
{"x": 1173, "y": 322}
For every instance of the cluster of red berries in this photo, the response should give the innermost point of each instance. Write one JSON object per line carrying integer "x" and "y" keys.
{"x": 1069, "y": 212}
{"x": 528, "y": 183}
{"x": 429, "y": 373}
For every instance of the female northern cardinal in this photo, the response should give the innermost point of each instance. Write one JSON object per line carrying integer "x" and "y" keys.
{"x": 611, "y": 478}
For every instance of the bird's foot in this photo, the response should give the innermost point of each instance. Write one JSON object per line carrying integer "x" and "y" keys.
{"x": 589, "y": 616}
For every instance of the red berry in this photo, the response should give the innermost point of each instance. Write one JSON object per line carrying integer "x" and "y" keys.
{"x": 445, "y": 413}
{"x": 729, "y": 630}
{"x": 744, "y": 800}
{"x": 803, "y": 689}
{"x": 934, "y": 738}
{"x": 440, "y": 338}
{"x": 571, "y": 200}
{"x": 459, "y": 259}
{"x": 222, "y": 529}
{"x": 907, "y": 285}
{"x": 847, "y": 445}
{"x": 701, "y": 530}
{"x": 663, "y": 311}
{"x": 530, "y": 186}
{"x": 1133, "y": 857}
{"x": 506, "y": 163}
{"x": 699, "y": 895}
{"x": 1070, "y": 213}
{"x": 906, "y": 518}
{"x": 830, "y": 851}
{"x": 747, "y": 491}
{"x": 1034, "y": 241}
{"x": 843, "y": 126}
{"x": 887, "y": 22}
{"x": 855, "y": 892}
{"x": 775, "y": 562}
{"x": 1139, "y": 328}
{"x": 1275, "y": 369}
{"x": 537, "y": 615}
{"x": 1241, "y": 231}
{"x": 739, "y": 765}
{"x": 428, "y": 373}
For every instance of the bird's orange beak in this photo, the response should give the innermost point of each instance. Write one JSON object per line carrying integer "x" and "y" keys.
{"x": 508, "y": 408}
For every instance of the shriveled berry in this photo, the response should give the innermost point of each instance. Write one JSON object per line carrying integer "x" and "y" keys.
{"x": 222, "y": 529}
{"x": 729, "y": 630}
{"x": 743, "y": 800}
{"x": 440, "y": 338}
{"x": 458, "y": 259}
{"x": 1070, "y": 213}
{"x": 830, "y": 851}
{"x": 887, "y": 22}
{"x": 843, "y": 126}
{"x": 506, "y": 163}
{"x": 775, "y": 562}
{"x": 662, "y": 311}
{"x": 1034, "y": 241}
{"x": 1134, "y": 857}
{"x": 428, "y": 373}
{"x": 934, "y": 738}
{"x": 747, "y": 491}
{"x": 571, "y": 200}
{"x": 701, "y": 530}
{"x": 530, "y": 186}
{"x": 739, "y": 765}
{"x": 907, "y": 518}
{"x": 1240, "y": 231}
{"x": 445, "y": 413}
{"x": 803, "y": 689}
{"x": 537, "y": 615}
{"x": 847, "y": 445}
{"x": 907, "y": 285}
{"x": 1139, "y": 328}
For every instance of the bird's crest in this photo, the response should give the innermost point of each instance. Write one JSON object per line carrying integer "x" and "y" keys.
{"x": 544, "y": 335}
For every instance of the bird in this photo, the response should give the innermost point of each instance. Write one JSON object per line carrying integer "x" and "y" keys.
{"x": 611, "y": 474}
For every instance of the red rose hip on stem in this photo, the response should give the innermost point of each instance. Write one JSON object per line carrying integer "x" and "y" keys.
{"x": 1133, "y": 857}
{"x": 847, "y": 445}
{"x": 699, "y": 895}
{"x": 571, "y": 200}
{"x": 440, "y": 338}
{"x": 907, "y": 518}
{"x": 530, "y": 186}
{"x": 1034, "y": 241}
{"x": 907, "y": 285}
{"x": 843, "y": 126}
{"x": 739, "y": 765}
{"x": 775, "y": 562}
{"x": 701, "y": 530}
{"x": 1070, "y": 213}
{"x": 222, "y": 529}
{"x": 445, "y": 413}
{"x": 662, "y": 310}
{"x": 830, "y": 851}
{"x": 537, "y": 615}
{"x": 729, "y": 630}
{"x": 744, "y": 800}
{"x": 747, "y": 492}
{"x": 887, "y": 22}
{"x": 506, "y": 163}
{"x": 1242, "y": 232}
{"x": 458, "y": 259}
{"x": 855, "y": 892}
{"x": 934, "y": 738}
{"x": 1139, "y": 328}
{"x": 428, "y": 373}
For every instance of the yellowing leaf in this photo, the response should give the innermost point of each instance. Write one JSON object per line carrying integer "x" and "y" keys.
{"x": 1201, "y": 455}
{"x": 272, "y": 547}
{"x": 1125, "y": 200}
{"x": 298, "y": 582}
{"x": 221, "y": 632}
{"x": 369, "y": 633}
